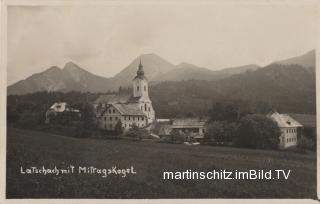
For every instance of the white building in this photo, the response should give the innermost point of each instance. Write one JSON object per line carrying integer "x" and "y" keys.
{"x": 135, "y": 108}
{"x": 60, "y": 108}
{"x": 289, "y": 128}
{"x": 193, "y": 127}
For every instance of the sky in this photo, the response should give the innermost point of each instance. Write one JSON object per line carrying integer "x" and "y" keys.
{"x": 104, "y": 39}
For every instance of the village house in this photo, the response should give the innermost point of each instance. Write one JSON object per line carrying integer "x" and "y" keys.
{"x": 194, "y": 128}
{"x": 290, "y": 129}
{"x": 126, "y": 109}
{"x": 62, "y": 108}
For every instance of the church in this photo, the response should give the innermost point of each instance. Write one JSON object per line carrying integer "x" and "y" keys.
{"x": 134, "y": 108}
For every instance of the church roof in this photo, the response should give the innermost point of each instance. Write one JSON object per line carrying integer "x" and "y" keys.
{"x": 140, "y": 72}
{"x": 284, "y": 120}
{"x": 113, "y": 98}
{"x": 129, "y": 109}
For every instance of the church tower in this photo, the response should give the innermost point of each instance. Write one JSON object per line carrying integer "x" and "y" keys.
{"x": 140, "y": 90}
{"x": 140, "y": 84}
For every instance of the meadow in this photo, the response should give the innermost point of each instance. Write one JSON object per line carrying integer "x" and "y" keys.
{"x": 26, "y": 148}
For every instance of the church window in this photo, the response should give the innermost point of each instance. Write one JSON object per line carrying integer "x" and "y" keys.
{"x": 145, "y": 107}
{"x": 129, "y": 118}
{"x": 110, "y": 111}
{"x": 137, "y": 88}
{"x": 138, "y": 118}
{"x": 110, "y": 118}
{"x": 142, "y": 118}
{"x": 114, "y": 111}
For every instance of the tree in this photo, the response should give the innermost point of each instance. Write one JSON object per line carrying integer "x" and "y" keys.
{"x": 134, "y": 132}
{"x": 230, "y": 111}
{"x": 30, "y": 119}
{"x": 221, "y": 132}
{"x": 258, "y": 131}
{"x": 86, "y": 126}
{"x": 177, "y": 136}
{"x": 118, "y": 129}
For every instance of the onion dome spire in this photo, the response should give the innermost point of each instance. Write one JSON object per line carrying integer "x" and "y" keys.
{"x": 140, "y": 72}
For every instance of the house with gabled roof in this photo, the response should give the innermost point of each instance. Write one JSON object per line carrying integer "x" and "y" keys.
{"x": 195, "y": 127}
{"x": 61, "y": 108}
{"x": 289, "y": 127}
{"x": 134, "y": 108}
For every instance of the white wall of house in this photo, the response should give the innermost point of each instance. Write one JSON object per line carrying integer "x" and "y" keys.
{"x": 111, "y": 116}
{"x": 109, "y": 119}
{"x": 289, "y": 137}
{"x": 127, "y": 121}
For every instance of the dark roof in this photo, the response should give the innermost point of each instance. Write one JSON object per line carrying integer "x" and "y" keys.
{"x": 189, "y": 122}
{"x": 129, "y": 109}
{"x": 113, "y": 98}
{"x": 306, "y": 120}
{"x": 284, "y": 120}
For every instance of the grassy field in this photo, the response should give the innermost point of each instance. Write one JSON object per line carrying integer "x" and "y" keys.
{"x": 30, "y": 148}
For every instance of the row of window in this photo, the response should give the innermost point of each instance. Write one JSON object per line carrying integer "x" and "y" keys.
{"x": 145, "y": 107}
{"x": 293, "y": 139}
{"x": 125, "y": 118}
{"x": 133, "y": 118}
{"x": 124, "y": 125}
{"x": 130, "y": 125}
{"x": 105, "y": 118}
{"x": 112, "y": 110}
{"x": 292, "y": 130}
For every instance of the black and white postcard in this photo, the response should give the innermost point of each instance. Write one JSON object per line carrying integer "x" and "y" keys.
{"x": 154, "y": 100}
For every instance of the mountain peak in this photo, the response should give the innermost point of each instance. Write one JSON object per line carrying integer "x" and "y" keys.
{"x": 306, "y": 60}
{"x": 149, "y": 55}
{"x": 185, "y": 64}
{"x": 53, "y": 68}
{"x": 70, "y": 64}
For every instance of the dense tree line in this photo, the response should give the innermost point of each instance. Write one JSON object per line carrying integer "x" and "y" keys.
{"x": 28, "y": 111}
{"x": 286, "y": 88}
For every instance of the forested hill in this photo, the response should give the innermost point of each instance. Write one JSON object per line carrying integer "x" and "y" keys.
{"x": 286, "y": 88}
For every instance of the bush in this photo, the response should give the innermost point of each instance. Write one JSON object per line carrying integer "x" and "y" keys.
{"x": 307, "y": 143}
{"x": 258, "y": 131}
{"x": 221, "y": 132}
{"x": 137, "y": 133}
{"x": 29, "y": 119}
{"x": 118, "y": 129}
{"x": 86, "y": 126}
{"x": 177, "y": 136}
